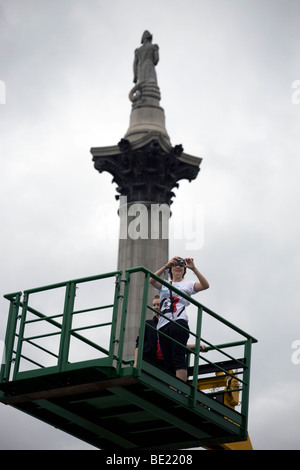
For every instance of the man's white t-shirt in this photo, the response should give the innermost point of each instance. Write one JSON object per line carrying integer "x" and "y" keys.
{"x": 179, "y": 303}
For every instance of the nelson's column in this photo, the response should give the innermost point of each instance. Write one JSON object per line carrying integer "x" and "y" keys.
{"x": 146, "y": 167}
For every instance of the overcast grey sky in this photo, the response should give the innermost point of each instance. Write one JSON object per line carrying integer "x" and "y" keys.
{"x": 226, "y": 74}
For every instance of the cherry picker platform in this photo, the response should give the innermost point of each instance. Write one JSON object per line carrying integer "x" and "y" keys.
{"x": 64, "y": 364}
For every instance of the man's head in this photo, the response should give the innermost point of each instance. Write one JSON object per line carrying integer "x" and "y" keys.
{"x": 146, "y": 36}
{"x": 156, "y": 302}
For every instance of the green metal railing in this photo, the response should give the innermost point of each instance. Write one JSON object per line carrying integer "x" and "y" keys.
{"x": 242, "y": 360}
{"x": 22, "y": 314}
{"x": 18, "y": 321}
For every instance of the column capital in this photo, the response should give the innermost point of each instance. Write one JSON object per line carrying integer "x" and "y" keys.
{"x": 148, "y": 172}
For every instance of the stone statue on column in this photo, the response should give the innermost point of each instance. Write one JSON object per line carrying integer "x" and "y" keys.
{"x": 146, "y": 57}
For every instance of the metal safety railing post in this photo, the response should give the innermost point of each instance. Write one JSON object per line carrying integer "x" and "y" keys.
{"x": 66, "y": 325}
{"x": 116, "y": 306}
{"x": 143, "y": 322}
{"x": 122, "y": 326}
{"x": 246, "y": 383}
{"x": 196, "y": 355}
{"x": 14, "y": 307}
{"x": 21, "y": 335}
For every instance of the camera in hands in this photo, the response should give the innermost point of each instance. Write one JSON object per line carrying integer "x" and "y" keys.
{"x": 180, "y": 262}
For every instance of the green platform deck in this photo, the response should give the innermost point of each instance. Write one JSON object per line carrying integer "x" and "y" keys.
{"x": 112, "y": 405}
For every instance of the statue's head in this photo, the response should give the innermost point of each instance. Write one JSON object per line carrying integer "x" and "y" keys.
{"x": 146, "y": 35}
